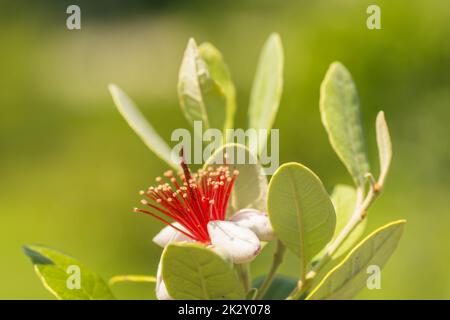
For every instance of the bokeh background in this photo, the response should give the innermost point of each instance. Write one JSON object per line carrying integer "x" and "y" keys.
{"x": 70, "y": 168}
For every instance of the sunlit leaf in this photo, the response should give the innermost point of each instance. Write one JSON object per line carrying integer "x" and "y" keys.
{"x": 221, "y": 75}
{"x": 201, "y": 97}
{"x": 194, "y": 272}
{"x": 267, "y": 87}
{"x": 55, "y": 270}
{"x": 300, "y": 211}
{"x": 340, "y": 111}
{"x": 350, "y": 276}
{"x": 140, "y": 125}
{"x": 384, "y": 144}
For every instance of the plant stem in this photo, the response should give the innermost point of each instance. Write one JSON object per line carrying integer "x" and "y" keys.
{"x": 244, "y": 273}
{"x": 276, "y": 262}
{"x": 358, "y": 216}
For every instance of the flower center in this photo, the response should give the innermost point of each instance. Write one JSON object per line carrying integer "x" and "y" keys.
{"x": 192, "y": 200}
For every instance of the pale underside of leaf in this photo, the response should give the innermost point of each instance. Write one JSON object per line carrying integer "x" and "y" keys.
{"x": 141, "y": 126}
{"x": 350, "y": 276}
{"x": 384, "y": 144}
{"x": 201, "y": 97}
{"x": 340, "y": 112}
{"x": 300, "y": 211}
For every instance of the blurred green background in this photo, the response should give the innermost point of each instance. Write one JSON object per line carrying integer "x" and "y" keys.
{"x": 70, "y": 168}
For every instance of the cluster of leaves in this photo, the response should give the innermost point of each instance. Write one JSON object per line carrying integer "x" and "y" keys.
{"x": 318, "y": 228}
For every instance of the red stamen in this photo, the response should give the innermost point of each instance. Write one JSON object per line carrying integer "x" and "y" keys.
{"x": 192, "y": 200}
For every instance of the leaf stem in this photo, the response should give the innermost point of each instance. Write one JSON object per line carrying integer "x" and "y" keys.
{"x": 358, "y": 216}
{"x": 244, "y": 273}
{"x": 276, "y": 262}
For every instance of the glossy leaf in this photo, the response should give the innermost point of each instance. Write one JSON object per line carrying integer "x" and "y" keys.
{"x": 140, "y": 125}
{"x": 201, "y": 96}
{"x": 250, "y": 187}
{"x": 350, "y": 276}
{"x": 194, "y": 272}
{"x": 340, "y": 111}
{"x": 300, "y": 211}
{"x": 267, "y": 87}
{"x": 384, "y": 144}
{"x": 55, "y": 270}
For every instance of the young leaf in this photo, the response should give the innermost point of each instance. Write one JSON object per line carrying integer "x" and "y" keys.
{"x": 194, "y": 272}
{"x": 250, "y": 187}
{"x": 201, "y": 96}
{"x": 300, "y": 211}
{"x": 57, "y": 271}
{"x": 344, "y": 201}
{"x": 384, "y": 144}
{"x": 220, "y": 73}
{"x": 280, "y": 287}
{"x": 340, "y": 111}
{"x": 350, "y": 276}
{"x": 140, "y": 125}
{"x": 267, "y": 87}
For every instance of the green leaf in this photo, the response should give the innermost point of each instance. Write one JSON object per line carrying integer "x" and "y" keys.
{"x": 250, "y": 187}
{"x": 344, "y": 201}
{"x": 350, "y": 276}
{"x": 267, "y": 87}
{"x": 54, "y": 270}
{"x": 300, "y": 211}
{"x": 140, "y": 125}
{"x": 201, "y": 97}
{"x": 384, "y": 144}
{"x": 280, "y": 287}
{"x": 131, "y": 278}
{"x": 221, "y": 75}
{"x": 194, "y": 272}
{"x": 339, "y": 107}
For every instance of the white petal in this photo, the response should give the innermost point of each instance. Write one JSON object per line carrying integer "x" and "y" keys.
{"x": 168, "y": 235}
{"x": 241, "y": 244}
{"x": 161, "y": 291}
{"x": 256, "y": 221}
